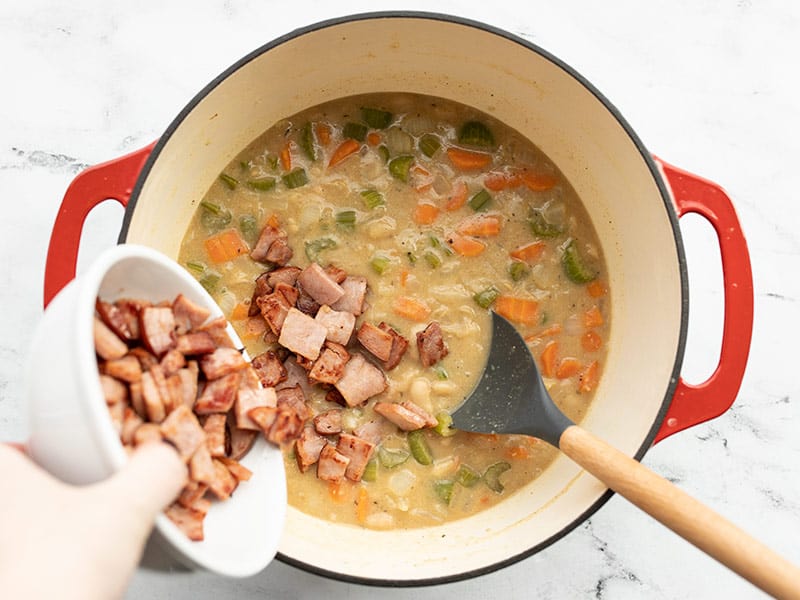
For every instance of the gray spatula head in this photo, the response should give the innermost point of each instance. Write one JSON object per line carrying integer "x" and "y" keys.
{"x": 511, "y": 397}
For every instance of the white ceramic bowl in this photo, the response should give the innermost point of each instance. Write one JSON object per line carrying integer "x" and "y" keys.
{"x": 71, "y": 434}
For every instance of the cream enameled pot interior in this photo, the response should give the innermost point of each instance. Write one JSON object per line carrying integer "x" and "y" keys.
{"x": 530, "y": 91}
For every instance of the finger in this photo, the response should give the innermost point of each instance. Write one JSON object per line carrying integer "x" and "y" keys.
{"x": 152, "y": 478}
{"x": 16, "y": 446}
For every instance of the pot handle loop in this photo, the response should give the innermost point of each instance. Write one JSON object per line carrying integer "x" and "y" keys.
{"x": 112, "y": 180}
{"x": 696, "y": 403}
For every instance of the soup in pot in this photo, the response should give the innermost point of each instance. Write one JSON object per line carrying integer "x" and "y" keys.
{"x": 358, "y": 248}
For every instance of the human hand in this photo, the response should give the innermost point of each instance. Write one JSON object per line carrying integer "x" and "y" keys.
{"x": 62, "y": 541}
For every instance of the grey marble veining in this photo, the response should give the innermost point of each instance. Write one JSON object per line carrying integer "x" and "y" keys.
{"x": 711, "y": 87}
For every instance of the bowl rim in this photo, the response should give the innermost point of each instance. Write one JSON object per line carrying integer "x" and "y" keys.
{"x": 647, "y": 159}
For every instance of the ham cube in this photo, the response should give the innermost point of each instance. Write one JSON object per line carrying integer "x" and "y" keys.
{"x": 361, "y": 381}
{"x": 289, "y": 292}
{"x": 358, "y": 451}
{"x": 182, "y": 429}
{"x": 214, "y": 428}
{"x": 430, "y": 345}
{"x": 375, "y": 340}
{"x": 224, "y": 482}
{"x": 188, "y": 520}
{"x": 319, "y": 285}
{"x": 248, "y": 398}
{"x": 302, "y": 335}
{"x": 188, "y": 388}
{"x": 130, "y": 423}
{"x": 195, "y": 343}
{"x": 285, "y": 275}
{"x": 272, "y": 247}
{"x": 287, "y": 426}
{"x": 263, "y": 417}
{"x": 221, "y": 362}
{"x": 406, "y": 415}
{"x": 114, "y": 391}
{"x": 329, "y": 367}
{"x": 269, "y": 368}
{"x": 153, "y": 403}
{"x": 399, "y": 347}
{"x": 157, "y": 325}
{"x": 332, "y": 464}
{"x": 293, "y": 398}
{"x": 172, "y": 361}
{"x": 355, "y": 291}
{"x": 219, "y": 395}
{"x": 329, "y": 422}
{"x": 307, "y": 448}
{"x": 237, "y": 469}
{"x": 122, "y": 322}
{"x": 218, "y": 330}
{"x": 126, "y": 368}
{"x": 339, "y": 324}
{"x": 147, "y": 433}
{"x": 106, "y": 343}
{"x": 201, "y": 467}
{"x": 188, "y": 314}
{"x": 274, "y": 308}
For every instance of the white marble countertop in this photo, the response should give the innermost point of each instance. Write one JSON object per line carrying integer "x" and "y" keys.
{"x": 709, "y": 86}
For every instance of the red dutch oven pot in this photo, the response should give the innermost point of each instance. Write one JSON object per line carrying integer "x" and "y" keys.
{"x": 634, "y": 199}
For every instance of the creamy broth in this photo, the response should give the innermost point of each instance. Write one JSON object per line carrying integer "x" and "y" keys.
{"x": 448, "y": 213}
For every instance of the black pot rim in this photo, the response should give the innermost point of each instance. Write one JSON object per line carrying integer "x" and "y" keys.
{"x": 648, "y": 160}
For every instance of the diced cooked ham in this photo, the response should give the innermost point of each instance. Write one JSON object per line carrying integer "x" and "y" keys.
{"x": 241, "y": 440}
{"x": 262, "y": 288}
{"x": 188, "y": 314}
{"x": 264, "y": 417}
{"x": 375, "y": 340}
{"x": 248, "y": 398}
{"x": 286, "y": 427}
{"x": 329, "y": 422}
{"x": 137, "y": 399}
{"x": 218, "y": 330}
{"x": 307, "y": 448}
{"x": 114, "y": 391}
{"x": 399, "y": 347}
{"x": 272, "y": 247}
{"x": 430, "y": 345}
{"x": 269, "y": 368}
{"x": 338, "y": 324}
{"x": 157, "y": 324}
{"x": 117, "y": 413}
{"x": 130, "y": 423}
{"x": 319, "y": 285}
{"x": 117, "y": 320}
{"x": 195, "y": 343}
{"x": 188, "y": 520}
{"x": 361, "y": 381}
{"x": 153, "y": 403}
{"x": 172, "y": 361}
{"x": 237, "y": 469}
{"x": 274, "y": 309}
{"x": 286, "y": 275}
{"x": 214, "y": 427}
{"x": 295, "y": 375}
{"x": 335, "y": 273}
{"x": 305, "y": 303}
{"x": 169, "y": 394}
{"x": 289, "y": 292}
{"x": 224, "y": 482}
{"x": 182, "y": 429}
{"x": 192, "y": 491}
{"x": 221, "y": 362}
{"x": 188, "y": 379}
{"x": 302, "y": 335}
{"x": 201, "y": 467}
{"x": 219, "y": 395}
{"x": 332, "y": 464}
{"x": 334, "y": 396}
{"x": 145, "y": 358}
{"x": 126, "y": 368}
{"x": 106, "y": 343}
{"x": 406, "y": 415}
{"x": 355, "y": 291}
{"x": 293, "y": 398}
{"x": 147, "y": 433}
{"x": 373, "y": 430}
{"x": 358, "y": 451}
{"x": 329, "y": 367}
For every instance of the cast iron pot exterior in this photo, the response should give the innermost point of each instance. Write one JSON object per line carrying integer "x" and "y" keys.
{"x": 641, "y": 398}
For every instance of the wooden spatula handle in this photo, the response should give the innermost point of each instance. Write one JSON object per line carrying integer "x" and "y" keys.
{"x": 686, "y": 516}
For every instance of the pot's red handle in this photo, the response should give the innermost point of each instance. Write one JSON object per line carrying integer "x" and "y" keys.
{"x": 112, "y": 180}
{"x": 693, "y": 404}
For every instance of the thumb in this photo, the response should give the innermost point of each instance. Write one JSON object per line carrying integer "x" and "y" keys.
{"x": 152, "y": 478}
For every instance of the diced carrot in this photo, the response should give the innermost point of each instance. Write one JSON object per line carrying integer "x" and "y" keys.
{"x": 273, "y": 221}
{"x": 323, "y": 131}
{"x": 537, "y": 182}
{"x": 457, "y": 197}
{"x": 421, "y": 178}
{"x": 345, "y": 149}
{"x": 239, "y": 312}
{"x": 424, "y": 213}
{"x": 480, "y": 225}
{"x": 225, "y": 246}
{"x": 518, "y": 310}
{"x": 411, "y": 309}
{"x": 286, "y": 157}
{"x": 589, "y": 377}
{"x": 591, "y": 341}
{"x": 374, "y": 138}
{"x": 529, "y": 253}
{"x": 596, "y": 289}
{"x": 498, "y": 181}
{"x": 465, "y": 245}
{"x": 550, "y": 331}
{"x": 468, "y": 160}
{"x": 567, "y": 367}
{"x": 403, "y": 277}
{"x": 338, "y": 492}
{"x": 548, "y": 358}
{"x": 517, "y": 452}
{"x": 592, "y": 317}
{"x": 254, "y": 327}
{"x": 362, "y": 505}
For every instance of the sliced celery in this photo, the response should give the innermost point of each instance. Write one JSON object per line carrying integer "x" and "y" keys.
{"x": 475, "y": 133}
{"x": 433, "y": 259}
{"x": 518, "y": 270}
{"x": 575, "y": 266}
{"x": 376, "y": 118}
{"x": 372, "y": 198}
{"x": 355, "y": 131}
{"x": 295, "y": 178}
{"x": 420, "y": 449}
{"x": 480, "y": 200}
{"x": 392, "y": 457}
{"x": 541, "y": 227}
{"x": 379, "y": 264}
{"x": 248, "y": 225}
{"x": 400, "y": 167}
{"x": 444, "y": 489}
{"x": 370, "y": 471}
{"x": 492, "y": 475}
{"x": 315, "y": 247}
{"x": 467, "y": 476}
{"x": 262, "y": 184}
{"x": 429, "y": 144}
{"x": 307, "y": 141}
{"x": 230, "y": 181}
{"x": 214, "y": 217}
{"x": 486, "y": 297}
{"x": 444, "y": 424}
{"x": 346, "y": 218}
